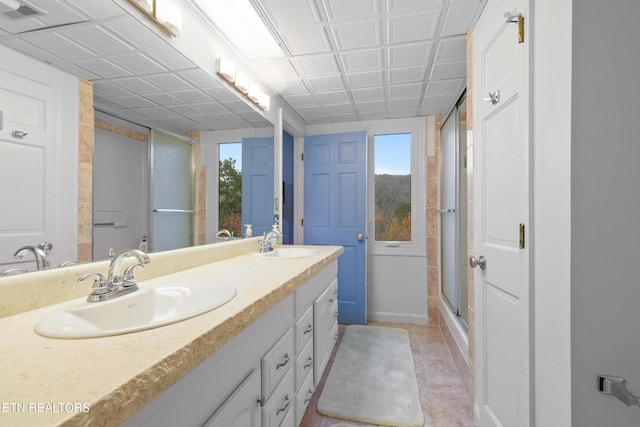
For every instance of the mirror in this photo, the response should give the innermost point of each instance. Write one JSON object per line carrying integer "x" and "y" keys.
{"x": 156, "y": 87}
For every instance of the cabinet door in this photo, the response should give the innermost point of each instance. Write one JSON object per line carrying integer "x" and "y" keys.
{"x": 324, "y": 321}
{"x": 242, "y": 408}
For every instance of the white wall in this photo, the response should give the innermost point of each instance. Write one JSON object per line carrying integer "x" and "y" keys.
{"x": 551, "y": 142}
{"x": 605, "y": 204}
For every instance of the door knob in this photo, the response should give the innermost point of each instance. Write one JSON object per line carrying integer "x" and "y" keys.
{"x": 481, "y": 262}
{"x": 360, "y": 237}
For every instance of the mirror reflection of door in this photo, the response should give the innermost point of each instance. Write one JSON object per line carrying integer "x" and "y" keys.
{"x": 172, "y": 199}
{"x": 120, "y": 190}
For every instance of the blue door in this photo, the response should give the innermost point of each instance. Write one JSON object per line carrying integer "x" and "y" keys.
{"x": 335, "y": 190}
{"x": 257, "y": 184}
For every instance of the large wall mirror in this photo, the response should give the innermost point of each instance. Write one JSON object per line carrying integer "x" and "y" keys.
{"x": 145, "y": 86}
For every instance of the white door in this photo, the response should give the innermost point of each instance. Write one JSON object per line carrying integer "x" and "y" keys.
{"x": 28, "y": 167}
{"x": 501, "y": 108}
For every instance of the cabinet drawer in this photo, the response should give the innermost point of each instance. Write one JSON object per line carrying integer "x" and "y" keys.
{"x": 277, "y": 406}
{"x": 303, "y": 397}
{"x": 330, "y": 295}
{"x": 276, "y": 363}
{"x": 304, "y": 329}
{"x": 304, "y": 364}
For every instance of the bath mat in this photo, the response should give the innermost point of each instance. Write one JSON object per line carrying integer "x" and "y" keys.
{"x": 373, "y": 379}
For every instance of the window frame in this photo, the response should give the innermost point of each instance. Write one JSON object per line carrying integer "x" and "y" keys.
{"x": 417, "y": 245}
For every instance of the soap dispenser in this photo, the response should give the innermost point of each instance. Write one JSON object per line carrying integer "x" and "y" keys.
{"x": 248, "y": 230}
{"x": 274, "y": 236}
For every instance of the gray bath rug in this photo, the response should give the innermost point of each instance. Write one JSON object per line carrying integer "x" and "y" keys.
{"x": 373, "y": 379}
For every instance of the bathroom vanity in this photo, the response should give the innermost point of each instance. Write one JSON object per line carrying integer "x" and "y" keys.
{"x": 255, "y": 359}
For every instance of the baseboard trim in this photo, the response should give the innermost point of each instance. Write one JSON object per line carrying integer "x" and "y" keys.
{"x": 416, "y": 319}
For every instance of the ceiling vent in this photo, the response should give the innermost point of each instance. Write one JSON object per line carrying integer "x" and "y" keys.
{"x": 24, "y": 11}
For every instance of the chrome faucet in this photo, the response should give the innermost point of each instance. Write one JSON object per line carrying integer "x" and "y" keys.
{"x": 40, "y": 252}
{"x": 117, "y": 282}
{"x": 223, "y": 232}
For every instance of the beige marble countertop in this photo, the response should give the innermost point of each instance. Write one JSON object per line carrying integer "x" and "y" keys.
{"x": 104, "y": 381}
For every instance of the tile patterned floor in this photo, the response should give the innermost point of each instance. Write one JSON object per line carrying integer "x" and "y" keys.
{"x": 444, "y": 398}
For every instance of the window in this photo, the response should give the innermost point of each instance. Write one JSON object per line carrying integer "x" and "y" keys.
{"x": 397, "y": 187}
{"x": 392, "y": 159}
{"x": 230, "y": 188}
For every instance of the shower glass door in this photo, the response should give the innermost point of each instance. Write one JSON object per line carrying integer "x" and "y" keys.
{"x": 171, "y": 192}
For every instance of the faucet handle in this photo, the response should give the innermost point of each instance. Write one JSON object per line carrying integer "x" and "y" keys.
{"x": 128, "y": 274}
{"x": 99, "y": 283}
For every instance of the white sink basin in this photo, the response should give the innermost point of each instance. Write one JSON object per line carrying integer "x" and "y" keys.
{"x": 288, "y": 253}
{"x": 153, "y": 305}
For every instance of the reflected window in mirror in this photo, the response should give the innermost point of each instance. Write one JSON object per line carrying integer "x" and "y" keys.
{"x": 230, "y": 188}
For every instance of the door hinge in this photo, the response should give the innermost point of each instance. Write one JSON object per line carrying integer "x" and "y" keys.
{"x": 519, "y": 18}
{"x": 302, "y": 222}
{"x": 302, "y": 156}
{"x": 521, "y": 236}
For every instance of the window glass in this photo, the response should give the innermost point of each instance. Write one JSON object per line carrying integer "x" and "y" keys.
{"x": 392, "y": 158}
{"x": 230, "y": 188}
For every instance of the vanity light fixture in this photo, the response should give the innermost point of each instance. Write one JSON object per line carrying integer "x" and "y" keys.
{"x": 164, "y": 13}
{"x": 242, "y": 84}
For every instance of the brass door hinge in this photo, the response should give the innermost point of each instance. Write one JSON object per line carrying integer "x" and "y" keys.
{"x": 521, "y": 236}
{"x": 302, "y": 222}
{"x": 302, "y": 156}
{"x": 519, "y": 18}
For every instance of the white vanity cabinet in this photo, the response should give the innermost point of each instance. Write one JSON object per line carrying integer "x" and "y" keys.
{"x": 325, "y": 313}
{"x": 264, "y": 376}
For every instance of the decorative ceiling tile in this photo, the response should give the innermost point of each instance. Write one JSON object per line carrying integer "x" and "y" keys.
{"x": 339, "y": 10}
{"x": 444, "y": 87}
{"x": 137, "y": 63}
{"x": 168, "y": 82}
{"x": 289, "y": 87}
{"x": 399, "y": 6}
{"x": 58, "y": 45}
{"x": 414, "y": 27}
{"x": 449, "y": 70}
{"x": 128, "y": 28}
{"x": 362, "y": 60}
{"x": 406, "y": 75}
{"x": 405, "y": 103}
{"x": 97, "y": 9}
{"x": 275, "y": 69}
{"x": 405, "y": 91}
{"x": 287, "y": 13}
{"x": 137, "y": 85}
{"x": 96, "y": 39}
{"x": 211, "y": 108}
{"x": 103, "y": 68}
{"x": 368, "y": 94}
{"x": 164, "y": 98}
{"x": 320, "y": 84}
{"x": 335, "y": 97}
{"x": 358, "y": 35}
{"x": 410, "y": 54}
{"x": 306, "y": 40}
{"x": 317, "y": 65}
{"x": 301, "y": 101}
{"x": 366, "y": 79}
{"x": 458, "y": 19}
{"x": 133, "y": 101}
{"x": 191, "y": 95}
{"x": 108, "y": 89}
{"x": 451, "y": 49}
{"x": 199, "y": 78}
{"x": 370, "y": 106}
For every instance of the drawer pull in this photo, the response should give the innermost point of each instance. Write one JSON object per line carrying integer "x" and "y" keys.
{"x": 335, "y": 291}
{"x": 335, "y": 315}
{"x": 308, "y": 330}
{"x": 335, "y": 338}
{"x": 331, "y": 301}
{"x": 287, "y": 402}
{"x": 310, "y": 359}
{"x": 284, "y": 363}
